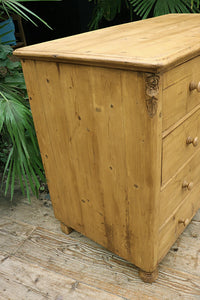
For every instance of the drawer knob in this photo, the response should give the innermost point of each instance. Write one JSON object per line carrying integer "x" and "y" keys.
{"x": 195, "y": 86}
{"x": 193, "y": 141}
{"x": 188, "y": 185}
{"x": 184, "y": 222}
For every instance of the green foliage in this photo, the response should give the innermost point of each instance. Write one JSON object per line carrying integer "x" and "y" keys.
{"x": 19, "y": 152}
{"x": 108, "y": 9}
{"x": 160, "y": 7}
{"x": 20, "y": 156}
{"x": 8, "y": 7}
{"x": 105, "y": 8}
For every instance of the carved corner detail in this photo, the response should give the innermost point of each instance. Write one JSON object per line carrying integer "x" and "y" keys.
{"x": 152, "y": 90}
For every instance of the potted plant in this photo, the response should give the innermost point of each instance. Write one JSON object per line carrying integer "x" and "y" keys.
{"x": 7, "y": 30}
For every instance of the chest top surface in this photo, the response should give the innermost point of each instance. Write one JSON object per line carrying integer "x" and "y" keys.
{"x": 154, "y": 44}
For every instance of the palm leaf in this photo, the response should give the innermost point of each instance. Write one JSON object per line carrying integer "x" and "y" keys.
{"x": 24, "y": 161}
{"x": 14, "y": 6}
{"x": 144, "y": 8}
{"x": 107, "y": 9}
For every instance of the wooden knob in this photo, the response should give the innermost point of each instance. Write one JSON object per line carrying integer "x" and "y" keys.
{"x": 193, "y": 141}
{"x": 188, "y": 185}
{"x": 195, "y": 86}
{"x": 184, "y": 222}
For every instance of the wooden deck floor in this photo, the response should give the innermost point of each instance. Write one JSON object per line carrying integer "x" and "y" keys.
{"x": 37, "y": 261}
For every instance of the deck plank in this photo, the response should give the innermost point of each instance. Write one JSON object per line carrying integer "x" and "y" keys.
{"x": 13, "y": 234}
{"x": 23, "y": 279}
{"x": 74, "y": 267}
{"x": 185, "y": 253}
{"x": 15, "y": 291}
{"x": 102, "y": 269}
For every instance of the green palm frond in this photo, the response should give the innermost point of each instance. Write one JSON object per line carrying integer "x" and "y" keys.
{"x": 144, "y": 8}
{"x": 23, "y": 162}
{"x": 104, "y": 9}
{"x": 19, "y": 151}
{"x": 14, "y": 6}
{"x": 108, "y": 9}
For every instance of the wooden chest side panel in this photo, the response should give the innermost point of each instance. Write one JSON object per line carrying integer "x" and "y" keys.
{"x": 101, "y": 151}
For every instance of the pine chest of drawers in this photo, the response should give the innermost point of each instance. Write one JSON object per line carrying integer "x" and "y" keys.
{"x": 117, "y": 115}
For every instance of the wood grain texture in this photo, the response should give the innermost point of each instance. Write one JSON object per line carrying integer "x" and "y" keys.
{"x": 174, "y": 226}
{"x": 178, "y": 100}
{"x": 113, "y": 132}
{"x": 169, "y": 40}
{"x": 13, "y": 235}
{"x": 13, "y": 290}
{"x": 66, "y": 266}
{"x": 65, "y": 228}
{"x": 180, "y": 121}
{"x": 148, "y": 277}
{"x": 91, "y": 264}
{"x": 173, "y": 193}
{"x": 98, "y": 144}
{"x": 23, "y": 280}
{"x": 176, "y": 151}
{"x": 185, "y": 252}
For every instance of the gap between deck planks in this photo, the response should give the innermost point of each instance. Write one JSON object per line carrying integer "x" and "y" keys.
{"x": 35, "y": 261}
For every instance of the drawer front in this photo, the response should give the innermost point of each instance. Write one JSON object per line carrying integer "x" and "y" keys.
{"x": 180, "y": 145}
{"x": 180, "y": 187}
{"x": 178, "y": 98}
{"x": 178, "y": 221}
